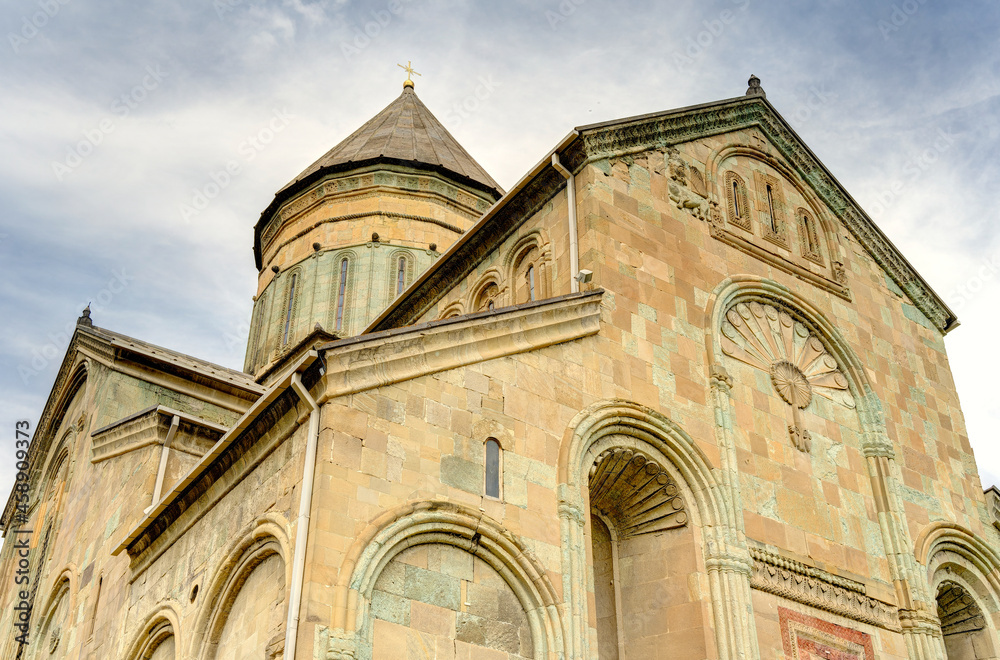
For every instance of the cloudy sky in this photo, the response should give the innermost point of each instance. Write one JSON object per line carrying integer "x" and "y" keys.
{"x": 116, "y": 118}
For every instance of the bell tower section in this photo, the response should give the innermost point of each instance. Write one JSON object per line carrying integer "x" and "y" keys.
{"x": 358, "y": 226}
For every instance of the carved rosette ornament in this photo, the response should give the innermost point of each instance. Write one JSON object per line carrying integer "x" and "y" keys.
{"x": 769, "y": 339}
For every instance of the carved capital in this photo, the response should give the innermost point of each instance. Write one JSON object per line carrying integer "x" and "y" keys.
{"x": 720, "y": 379}
{"x": 570, "y": 511}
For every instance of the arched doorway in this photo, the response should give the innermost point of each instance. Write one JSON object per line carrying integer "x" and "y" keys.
{"x": 640, "y": 547}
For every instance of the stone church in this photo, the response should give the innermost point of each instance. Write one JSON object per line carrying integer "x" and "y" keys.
{"x": 673, "y": 395}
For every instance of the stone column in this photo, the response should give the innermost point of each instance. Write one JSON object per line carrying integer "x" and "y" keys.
{"x": 917, "y": 610}
{"x": 728, "y": 558}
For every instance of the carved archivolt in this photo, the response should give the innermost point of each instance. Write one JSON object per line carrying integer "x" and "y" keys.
{"x": 635, "y": 493}
{"x": 769, "y": 339}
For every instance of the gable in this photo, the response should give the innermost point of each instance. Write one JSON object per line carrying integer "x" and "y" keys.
{"x": 765, "y": 144}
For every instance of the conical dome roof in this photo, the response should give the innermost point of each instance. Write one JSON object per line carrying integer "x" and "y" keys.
{"x": 406, "y": 133}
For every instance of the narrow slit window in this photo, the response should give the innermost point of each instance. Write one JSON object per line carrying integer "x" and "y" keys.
{"x": 811, "y": 238}
{"x": 288, "y": 310}
{"x": 770, "y": 209}
{"x": 531, "y": 283}
{"x": 400, "y": 275}
{"x": 492, "y": 468}
{"x": 341, "y": 294}
{"x": 736, "y": 199}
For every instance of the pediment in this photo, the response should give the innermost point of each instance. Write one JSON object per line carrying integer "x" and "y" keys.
{"x": 756, "y": 132}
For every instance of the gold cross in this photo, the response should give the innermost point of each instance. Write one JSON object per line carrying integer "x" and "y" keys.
{"x": 409, "y": 72}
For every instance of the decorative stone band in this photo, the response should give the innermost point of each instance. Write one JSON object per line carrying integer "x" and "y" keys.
{"x": 817, "y": 588}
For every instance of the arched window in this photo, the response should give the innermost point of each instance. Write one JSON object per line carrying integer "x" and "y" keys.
{"x": 341, "y": 294}
{"x": 772, "y": 202}
{"x": 289, "y": 307}
{"x": 525, "y": 275}
{"x": 494, "y": 468}
{"x": 771, "y": 216}
{"x": 400, "y": 275}
{"x": 486, "y": 300}
{"x": 809, "y": 236}
{"x": 736, "y": 196}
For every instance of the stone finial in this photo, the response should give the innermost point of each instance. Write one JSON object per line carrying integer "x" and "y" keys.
{"x": 85, "y": 317}
{"x": 755, "y": 89}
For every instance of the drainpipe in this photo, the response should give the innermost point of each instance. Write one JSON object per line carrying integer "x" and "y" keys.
{"x": 302, "y": 525}
{"x": 162, "y": 471}
{"x": 574, "y": 247}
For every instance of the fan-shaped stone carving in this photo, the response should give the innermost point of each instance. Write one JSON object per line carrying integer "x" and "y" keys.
{"x": 635, "y": 493}
{"x": 770, "y": 339}
{"x": 958, "y": 612}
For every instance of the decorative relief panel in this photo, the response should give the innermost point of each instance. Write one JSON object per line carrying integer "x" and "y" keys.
{"x": 769, "y": 339}
{"x": 635, "y": 493}
{"x": 808, "y": 638}
{"x": 687, "y": 187}
{"x": 817, "y": 588}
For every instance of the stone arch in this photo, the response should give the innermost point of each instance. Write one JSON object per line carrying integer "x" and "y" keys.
{"x": 453, "y": 309}
{"x": 484, "y": 291}
{"x": 531, "y": 249}
{"x": 159, "y": 625}
{"x": 259, "y": 542}
{"x": 618, "y": 423}
{"x": 60, "y": 602}
{"x": 40, "y": 452}
{"x": 963, "y": 572}
{"x": 830, "y": 236}
{"x": 451, "y": 524}
{"x": 748, "y": 288}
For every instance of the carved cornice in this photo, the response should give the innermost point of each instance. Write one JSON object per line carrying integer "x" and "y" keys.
{"x": 379, "y": 359}
{"x": 817, "y": 588}
{"x": 363, "y": 183}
